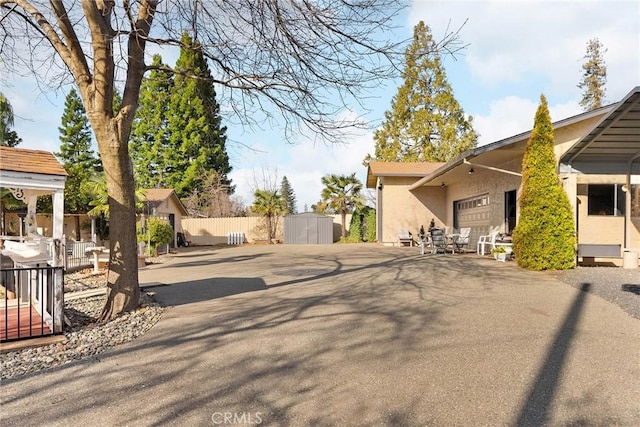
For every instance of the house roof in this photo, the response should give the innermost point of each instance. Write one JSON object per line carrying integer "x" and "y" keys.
{"x": 156, "y": 196}
{"x": 408, "y": 169}
{"x": 498, "y": 152}
{"x": 616, "y": 136}
{"x": 30, "y": 161}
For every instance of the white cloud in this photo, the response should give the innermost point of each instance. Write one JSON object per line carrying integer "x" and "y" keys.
{"x": 541, "y": 42}
{"x": 513, "y": 115}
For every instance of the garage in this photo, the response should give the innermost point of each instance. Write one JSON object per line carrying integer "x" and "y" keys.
{"x": 308, "y": 228}
{"x": 473, "y": 213}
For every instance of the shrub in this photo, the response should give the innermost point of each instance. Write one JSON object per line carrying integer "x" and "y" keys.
{"x": 362, "y": 226}
{"x": 544, "y": 238}
{"x": 157, "y": 233}
{"x": 370, "y": 225}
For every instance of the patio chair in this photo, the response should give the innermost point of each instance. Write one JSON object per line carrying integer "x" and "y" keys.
{"x": 405, "y": 236}
{"x": 439, "y": 241}
{"x": 488, "y": 240}
{"x": 462, "y": 239}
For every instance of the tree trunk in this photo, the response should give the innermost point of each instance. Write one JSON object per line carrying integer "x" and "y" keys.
{"x": 269, "y": 228}
{"x": 78, "y": 232}
{"x": 123, "y": 290}
{"x": 343, "y": 213}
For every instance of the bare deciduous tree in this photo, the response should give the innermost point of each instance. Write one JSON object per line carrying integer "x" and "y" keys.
{"x": 305, "y": 61}
{"x": 214, "y": 199}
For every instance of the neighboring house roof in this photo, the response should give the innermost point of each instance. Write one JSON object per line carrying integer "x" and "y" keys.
{"x": 407, "y": 169}
{"x": 156, "y": 196}
{"x": 617, "y": 135}
{"x": 30, "y": 161}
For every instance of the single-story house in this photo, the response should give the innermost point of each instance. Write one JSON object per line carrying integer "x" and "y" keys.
{"x": 165, "y": 204}
{"x": 598, "y": 154}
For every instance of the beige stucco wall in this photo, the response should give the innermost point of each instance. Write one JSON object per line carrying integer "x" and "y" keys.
{"x": 170, "y": 206}
{"x": 404, "y": 209}
{"x": 567, "y": 136}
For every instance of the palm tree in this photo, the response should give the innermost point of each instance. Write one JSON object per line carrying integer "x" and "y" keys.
{"x": 342, "y": 193}
{"x": 269, "y": 204}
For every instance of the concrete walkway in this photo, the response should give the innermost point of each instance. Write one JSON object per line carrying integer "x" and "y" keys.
{"x": 351, "y": 335}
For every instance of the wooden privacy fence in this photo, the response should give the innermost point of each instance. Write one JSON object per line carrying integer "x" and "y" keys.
{"x": 213, "y": 231}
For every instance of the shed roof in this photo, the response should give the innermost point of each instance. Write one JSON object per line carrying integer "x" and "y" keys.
{"x": 307, "y": 215}
{"x": 156, "y": 196}
{"x": 30, "y": 161}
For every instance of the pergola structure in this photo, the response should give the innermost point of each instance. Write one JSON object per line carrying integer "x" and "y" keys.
{"x": 28, "y": 174}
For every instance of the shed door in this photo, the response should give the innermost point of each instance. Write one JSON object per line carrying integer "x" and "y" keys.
{"x": 474, "y": 213}
{"x": 312, "y": 231}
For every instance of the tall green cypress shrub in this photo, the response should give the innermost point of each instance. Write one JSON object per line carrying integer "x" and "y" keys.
{"x": 544, "y": 238}
{"x": 370, "y": 225}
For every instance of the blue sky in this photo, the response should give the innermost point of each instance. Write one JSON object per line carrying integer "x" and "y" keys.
{"x": 517, "y": 51}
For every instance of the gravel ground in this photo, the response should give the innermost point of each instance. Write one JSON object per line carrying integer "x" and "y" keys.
{"x": 84, "y": 337}
{"x": 617, "y": 285}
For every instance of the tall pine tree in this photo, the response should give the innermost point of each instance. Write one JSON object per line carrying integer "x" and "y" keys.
{"x": 289, "y": 196}
{"x": 150, "y": 134}
{"x": 77, "y": 156}
{"x": 544, "y": 238}
{"x": 594, "y": 76}
{"x": 8, "y": 137}
{"x": 425, "y": 123}
{"x": 197, "y": 140}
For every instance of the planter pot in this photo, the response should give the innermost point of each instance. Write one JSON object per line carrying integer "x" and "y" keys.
{"x": 500, "y": 256}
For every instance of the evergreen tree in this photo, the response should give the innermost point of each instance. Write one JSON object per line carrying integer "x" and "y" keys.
{"x": 594, "y": 76}
{"x": 342, "y": 194}
{"x": 544, "y": 238}
{"x": 77, "y": 157}
{"x": 425, "y": 123}
{"x": 8, "y": 137}
{"x": 289, "y": 196}
{"x": 150, "y": 134}
{"x": 196, "y": 138}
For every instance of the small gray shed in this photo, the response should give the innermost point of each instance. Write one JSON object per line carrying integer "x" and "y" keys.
{"x": 308, "y": 228}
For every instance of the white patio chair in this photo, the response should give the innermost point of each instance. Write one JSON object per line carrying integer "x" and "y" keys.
{"x": 405, "y": 236}
{"x": 485, "y": 241}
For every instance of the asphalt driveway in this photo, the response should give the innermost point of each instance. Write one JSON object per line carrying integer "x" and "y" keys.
{"x": 351, "y": 335}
